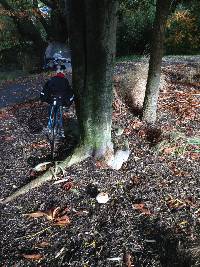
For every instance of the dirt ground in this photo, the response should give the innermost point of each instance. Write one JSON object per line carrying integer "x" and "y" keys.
{"x": 152, "y": 217}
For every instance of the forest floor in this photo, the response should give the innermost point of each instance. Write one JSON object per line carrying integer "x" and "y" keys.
{"x": 152, "y": 217}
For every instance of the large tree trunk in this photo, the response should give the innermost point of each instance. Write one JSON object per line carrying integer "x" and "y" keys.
{"x": 152, "y": 87}
{"x": 93, "y": 33}
{"x": 93, "y": 39}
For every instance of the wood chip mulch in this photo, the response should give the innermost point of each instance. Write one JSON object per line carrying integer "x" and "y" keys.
{"x": 152, "y": 217}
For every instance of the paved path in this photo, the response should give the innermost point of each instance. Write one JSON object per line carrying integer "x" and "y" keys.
{"x": 21, "y": 91}
{"x": 29, "y": 88}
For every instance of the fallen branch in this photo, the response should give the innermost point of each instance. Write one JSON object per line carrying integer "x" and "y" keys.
{"x": 78, "y": 155}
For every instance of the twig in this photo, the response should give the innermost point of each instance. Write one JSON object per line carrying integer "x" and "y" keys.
{"x": 35, "y": 234}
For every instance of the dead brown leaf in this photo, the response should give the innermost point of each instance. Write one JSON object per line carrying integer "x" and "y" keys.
{"x": 36, "y": 214}
{"x": 127, "y": 131}
{"x": 169, "y": 150}
{"x": 135, "y": 180}
{"x": 62, "y": 221}
{"x": 50, "y": 214}
{"x": 5, "y": 115}
{"x": 136, "y": 124}
{"x": 141, "y": 133}
{"x": 33, "y": 257}
{"x": 43, "y": 244}
{"x": 39, "y": 145}
{"x": 141, "y": 208}
{"x": 175, "y": 203}
{"x": 195, "y": 155}
{"x": 57, "y": 216}
{"x": 127, "y": 259}
{"x": 68, "y": 185}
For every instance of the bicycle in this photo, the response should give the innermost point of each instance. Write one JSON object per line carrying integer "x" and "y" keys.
{"x": 55, "y": 123}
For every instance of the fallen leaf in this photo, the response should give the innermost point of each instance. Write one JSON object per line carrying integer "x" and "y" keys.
{"x": 55, "y": 213}
{"x": 127, "y": 131}
{"x": 50, "y": 214}
{"x": 136, "y": 124}
{"x": 68, "y": 185}
{"x": 36, "y": 214}
{"x": 62, "y": 221}
{"x": 57, "y": 216}
{"x": 39, "y": 145}
{"x": 175, "y": 203}
{"x": 183, "y": 223}
{"x": 195, "y": 155}
{"x": 141, "y": 208}
{"x": 135, "y": 180}
{"x": 32, "y": 256}
{"x": 190, "y": 202}
{"x": 5, "y": 115}
{"x": 169, "y": 150}
{"x": 127, "y": 260}
{"x": 43, "y": 244}
{"x": 141, "y": 133}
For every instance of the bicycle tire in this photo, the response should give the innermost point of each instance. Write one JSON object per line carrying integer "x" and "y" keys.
{"x": 54, "y": 127}
{"x": 52, "y": 142}
{"x": 53, "y": 133}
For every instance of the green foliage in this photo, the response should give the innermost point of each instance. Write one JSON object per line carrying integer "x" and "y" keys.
{"x": 183, "y": 29}
{"x": 134, "y": 26}
{"x": 8, "y": 33}
{"x": 133, "y": 32}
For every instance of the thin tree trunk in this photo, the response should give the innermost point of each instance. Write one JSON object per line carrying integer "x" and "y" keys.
{"x": 93, "y": 39}
{"x": 157, "y": 47}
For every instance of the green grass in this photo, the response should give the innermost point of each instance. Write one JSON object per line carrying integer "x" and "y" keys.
{"x": 11, "y": 75}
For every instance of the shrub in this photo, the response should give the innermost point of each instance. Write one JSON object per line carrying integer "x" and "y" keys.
{"x": 134, "y": 26}
{"x": 183, "y": 33}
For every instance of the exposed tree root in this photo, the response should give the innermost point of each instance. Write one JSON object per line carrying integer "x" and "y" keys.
{"x": 79, "y": 154}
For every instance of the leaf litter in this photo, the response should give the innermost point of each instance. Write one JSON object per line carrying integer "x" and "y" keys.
{"x": 152, "y": 217}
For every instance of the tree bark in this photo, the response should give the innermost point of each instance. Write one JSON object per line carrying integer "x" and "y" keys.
{"x": 157, "y": 47}
{"x": 93, "y": 39}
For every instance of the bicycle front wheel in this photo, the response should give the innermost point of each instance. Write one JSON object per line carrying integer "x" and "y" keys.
{"x": 53, "y": 133}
